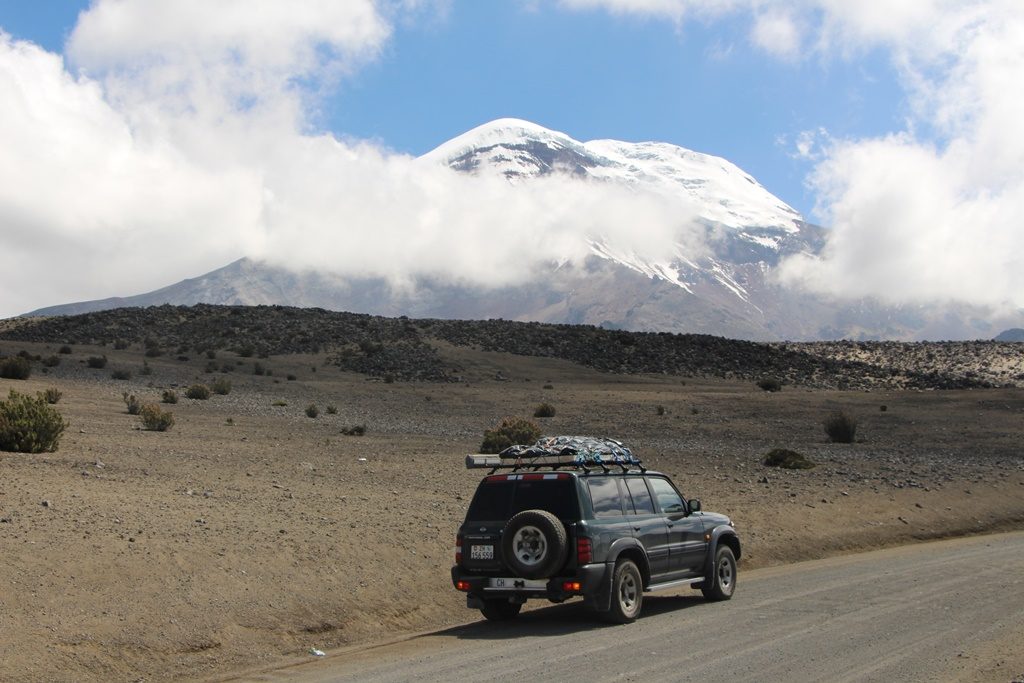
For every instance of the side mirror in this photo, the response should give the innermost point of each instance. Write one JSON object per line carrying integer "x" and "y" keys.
{"x": 694, "y": 504}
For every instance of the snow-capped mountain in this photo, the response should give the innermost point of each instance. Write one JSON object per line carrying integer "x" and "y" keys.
{"x": 727, "y": 289}
{"x": 521, "y": 150}
{"x": 751, "y": 227}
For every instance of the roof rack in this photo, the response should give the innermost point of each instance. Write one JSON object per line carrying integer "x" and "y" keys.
{"x": 578, "y": 452}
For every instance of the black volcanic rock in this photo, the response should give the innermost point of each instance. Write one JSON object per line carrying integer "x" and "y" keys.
{"x": 406, "y": 349}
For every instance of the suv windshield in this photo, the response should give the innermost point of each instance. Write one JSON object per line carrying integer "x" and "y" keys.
{"x": 499, "y": 500}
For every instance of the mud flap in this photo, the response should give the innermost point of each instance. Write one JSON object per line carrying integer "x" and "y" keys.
{"x": 601, "y": 599}
{"x": 473, "y": 602}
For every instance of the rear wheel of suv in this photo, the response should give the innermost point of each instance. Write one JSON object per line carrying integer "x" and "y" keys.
{"x": 500, "y": 610}
{"x": 534, "y": 544}
{"x": 722, "y": 582}
{"x": 627, "y": 593}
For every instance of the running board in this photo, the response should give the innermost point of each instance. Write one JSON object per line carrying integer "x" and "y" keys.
{"x": 674, "y": 584}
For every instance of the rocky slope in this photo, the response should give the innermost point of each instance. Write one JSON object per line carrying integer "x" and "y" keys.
{"x": 412, "y": 349}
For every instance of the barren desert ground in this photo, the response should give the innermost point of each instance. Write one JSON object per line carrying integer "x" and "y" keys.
{"x": 250, "y": 533}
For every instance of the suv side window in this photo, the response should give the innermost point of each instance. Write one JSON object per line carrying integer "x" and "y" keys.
{"x": 604, "y": 492}
{"x": 670, "y": 502}
{"x": 642, "y": 503}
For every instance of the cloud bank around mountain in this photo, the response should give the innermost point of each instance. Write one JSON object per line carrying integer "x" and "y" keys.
{"x": 172, "y": 139}
{"x": 930, "y": 213}
{"x": 177, "y": 139}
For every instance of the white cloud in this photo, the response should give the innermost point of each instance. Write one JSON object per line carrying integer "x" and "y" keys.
{"x": 183, "y": 145}
{"x": 932, "y": 212}
{"x": 916, "y": 220}
{"x": 777, "y": 33}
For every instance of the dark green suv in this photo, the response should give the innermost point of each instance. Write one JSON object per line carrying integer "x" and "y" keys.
{"x": 585, "y": 519}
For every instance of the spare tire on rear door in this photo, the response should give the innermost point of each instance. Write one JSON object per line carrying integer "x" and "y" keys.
{"x": 534, "y": 544}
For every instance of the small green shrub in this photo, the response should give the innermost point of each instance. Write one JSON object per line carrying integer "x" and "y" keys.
{"x": 840, "y": 427}
{"x": 121, "y": 374}
{"x": 211, "y": 354}
{"x": 769, "y": 384}
{"x": 120, "y": 344}
{"x": 544, "y": 410}
{"x": 169, "y": 396}
{"x": 154, "y": 419}
{"x": 549, "y": 386}
{"x": 17, "y": 367}
{"x": 354, "y": 430}
{"x": 882, "y": 408}
{"x": 51, "y": 395}
{"x": 133, "y": 404}
{"x": 221, "y": 386}
{"x": 258, "y": 369}
{"x": 29, "y": 425}
{"x": 146, "y": 370}
{"x": 154, "y": 352}
{"x": 659, "y": 410}
{"x": 246, "y": 351}
{"x": 312, "y": 411}
{"x": 230, "y": 422}
{"x": 64, "y": 349}
{"x": 200, "y": 392}
{"x": 51, "y": 361}
{"x": 787, "y": 459}
{"x": 280, "y": 404}
{"x": 332, "y": 409}
{"x": 96, "y": 362}
{"x": 511, "y": 431}
{"x": 291, "y": 378}
{"x": 227, "y": 367}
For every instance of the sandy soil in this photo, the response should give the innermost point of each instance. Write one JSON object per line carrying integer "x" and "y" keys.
{"x": 250, "y": 533}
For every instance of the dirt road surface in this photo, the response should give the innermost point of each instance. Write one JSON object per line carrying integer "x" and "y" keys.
{"x": 943, "y": 611}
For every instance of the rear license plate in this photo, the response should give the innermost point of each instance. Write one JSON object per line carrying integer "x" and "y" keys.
{"x": 481, "y": 552}
{"x": 520, "y": 584}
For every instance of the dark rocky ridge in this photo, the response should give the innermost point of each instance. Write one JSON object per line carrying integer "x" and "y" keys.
{"x": 406, "y": 349}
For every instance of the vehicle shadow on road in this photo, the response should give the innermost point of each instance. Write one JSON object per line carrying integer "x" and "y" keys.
{"x": 570, "y": 618}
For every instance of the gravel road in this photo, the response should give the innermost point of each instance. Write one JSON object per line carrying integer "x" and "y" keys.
{"x": 948, "y": 610}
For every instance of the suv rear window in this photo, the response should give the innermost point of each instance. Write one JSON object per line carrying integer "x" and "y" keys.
{"x": 499, "y": 500}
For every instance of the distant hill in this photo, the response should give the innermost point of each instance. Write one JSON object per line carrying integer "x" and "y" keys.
{"x": 1013, "y": 335}
{"x": 408, "y": 349}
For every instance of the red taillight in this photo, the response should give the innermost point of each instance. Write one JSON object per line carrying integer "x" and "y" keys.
{"x": 572, "y": 587}
{"x": 462, "y": 585}
{"x": 458, "y": 550}
{"x": 584, "y": 550}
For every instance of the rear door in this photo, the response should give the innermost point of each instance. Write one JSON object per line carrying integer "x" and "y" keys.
{"x": 649, "y": 527}
{"x": 498, "y": 498}
{"x": 481, "y": 532}
{"x": 685, "y": 531}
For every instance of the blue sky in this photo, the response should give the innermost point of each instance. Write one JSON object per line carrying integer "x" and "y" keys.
{"x": 590, "y": 75}
{"x": 148, "y": 141}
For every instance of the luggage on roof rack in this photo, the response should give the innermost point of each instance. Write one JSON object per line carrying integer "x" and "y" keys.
{"x": 560, "y": 451}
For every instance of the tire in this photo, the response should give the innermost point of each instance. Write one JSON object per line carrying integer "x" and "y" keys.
{"x": 534, "y": 544}
{"x": 722, "y": 582}
{"x": 627, "y": 593}
{"x": 500, "y": 610}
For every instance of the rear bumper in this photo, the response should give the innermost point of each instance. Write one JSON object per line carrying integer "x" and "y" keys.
{"x": 591, "y": 578}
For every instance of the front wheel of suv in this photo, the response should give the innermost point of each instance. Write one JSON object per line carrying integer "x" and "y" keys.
{"x": 627, "y": 593}
{"x": 722, "y": 582}
{"x": 500, "y": 610}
